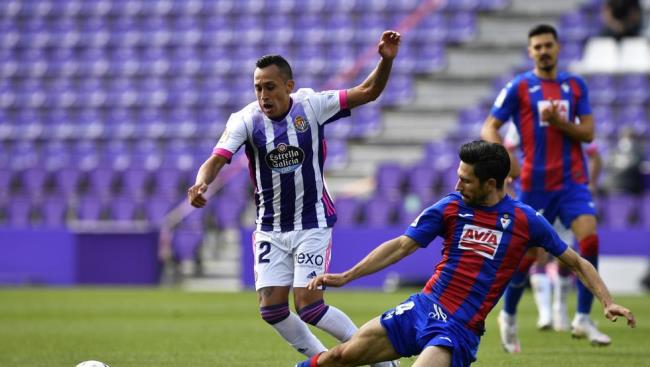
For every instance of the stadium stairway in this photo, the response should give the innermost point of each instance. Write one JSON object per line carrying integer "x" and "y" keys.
{"x": 498, "y": 47}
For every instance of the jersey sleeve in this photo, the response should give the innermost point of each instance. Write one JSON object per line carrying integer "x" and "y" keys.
{"x": 583, "y": 107}
{"x": 506, "y": 103}
{"x": 329, "y": 105}
{"x": 232, "y": 138}
{"x": 543, "y": 234}
{"x": 428, "y": 225}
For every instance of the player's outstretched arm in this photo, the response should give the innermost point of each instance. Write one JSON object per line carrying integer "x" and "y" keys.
{"x": 207, "y": 173}
{"x": 384, "y": 255}
{"x": 589, "y": 277}
{"x": 375, "y": 83}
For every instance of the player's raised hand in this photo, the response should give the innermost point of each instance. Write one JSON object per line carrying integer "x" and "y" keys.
{"x": 389, "y": 44}
{"x": 195, "y": 195}
{"x": 331, "y": 280}
{"x": 614, "y": 310}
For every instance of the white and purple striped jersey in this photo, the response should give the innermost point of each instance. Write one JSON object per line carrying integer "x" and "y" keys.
{"x": 286, "y": 159}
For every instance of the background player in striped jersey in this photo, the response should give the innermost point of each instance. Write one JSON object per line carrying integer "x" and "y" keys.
{"x": 283, "y": 135}
{"x": 553, "y": 117}
{"x": 550, "y": 292}
{"x": 485, "y": 235}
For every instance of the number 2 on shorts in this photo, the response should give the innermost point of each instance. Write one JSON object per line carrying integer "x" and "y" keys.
{"x": 265, "y": 248}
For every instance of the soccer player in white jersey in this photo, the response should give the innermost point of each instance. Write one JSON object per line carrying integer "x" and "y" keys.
{"x": 283, "y": 136}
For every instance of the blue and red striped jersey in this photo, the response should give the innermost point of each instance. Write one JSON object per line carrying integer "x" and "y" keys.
{"x": 482, "y": 248}
{"x": 286, "y": 159}
{"x": 551, "y": 160}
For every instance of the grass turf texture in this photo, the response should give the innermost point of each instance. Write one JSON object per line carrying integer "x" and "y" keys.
{"x": 161, "y": 327}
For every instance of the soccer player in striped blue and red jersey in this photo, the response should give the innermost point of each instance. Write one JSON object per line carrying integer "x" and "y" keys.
{"x": 485, "y": 235}
{"x": 284, "y": 139}
{"x": 553, "y": 118}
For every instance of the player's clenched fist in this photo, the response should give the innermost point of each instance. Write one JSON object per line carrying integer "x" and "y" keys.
{"x": 389, "y": 44}
{"x": 195, "y": 195}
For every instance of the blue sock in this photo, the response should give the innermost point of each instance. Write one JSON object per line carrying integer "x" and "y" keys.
{"x": 514, "y": 292}
{"x": 585, "y": 298}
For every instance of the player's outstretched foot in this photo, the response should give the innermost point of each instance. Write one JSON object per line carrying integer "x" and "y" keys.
{"x": 508, "y": 331}
{"x": 583, "y": 327}
{"x": 561, "y": 320}
{"x": 544, "y": 321}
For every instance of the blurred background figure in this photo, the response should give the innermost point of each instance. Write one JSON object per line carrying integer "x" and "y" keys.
{"x": 622, "y": 18}
{"x": 624, "y": 165}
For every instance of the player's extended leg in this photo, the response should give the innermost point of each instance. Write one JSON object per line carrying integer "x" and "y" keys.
{"x": 434, "y": 356}
{"x": 507, "y": 317}
{"x": 369, "y": 345}
{"x": 584, "y": 229}
{"x": 274, "y": 309}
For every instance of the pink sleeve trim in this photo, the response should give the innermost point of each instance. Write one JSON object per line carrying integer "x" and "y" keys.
{"x": 222, "y": 152}
{"x": 343, "y": 99}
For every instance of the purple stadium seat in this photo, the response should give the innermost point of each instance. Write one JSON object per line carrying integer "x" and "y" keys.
{"x": 602, "y": 89}
{"x": 123, "y": 209}
{"x": 633, "y": 88}
{"x": 462, "y": 26}
{"x": 379, "y": 212}
{"x": 19, "y": 212}
{"x": 90, "y": 208}
{"x": 422, "y": 179}
{"x": 156, "y": 208}
{"x": 605, "y": 120}
{"x": 574, "y": 26}
{"x": 620, "y": 210}
{"x": 347, "y": 211}
{"x": 53, "y": 210}
{"x": 389, "y": 180}
{"x": 186, "y": 244}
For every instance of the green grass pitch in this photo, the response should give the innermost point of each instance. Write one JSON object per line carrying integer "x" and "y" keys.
{"x": 162, "y": 327}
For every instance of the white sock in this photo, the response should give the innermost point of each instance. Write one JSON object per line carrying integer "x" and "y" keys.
{"x": 541, "y": 284}
{"x": 296, "y": 332}
{"x": 560, "y": 290}
{"x": 337, "y": 324}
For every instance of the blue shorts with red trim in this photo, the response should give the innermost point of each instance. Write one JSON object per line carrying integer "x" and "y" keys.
{"x": 419, "y": 322}
{"x": 567, "y": 204}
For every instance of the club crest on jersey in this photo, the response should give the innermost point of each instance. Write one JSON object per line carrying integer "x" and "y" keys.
{"x": 285, "y": 158}
{"x": 505, "y": 221}
{"x": 565, "y": 88}
{"x": 483, "y": 241}
{"x": 301, "y": 124}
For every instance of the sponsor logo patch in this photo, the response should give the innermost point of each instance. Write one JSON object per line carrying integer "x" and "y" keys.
{"x": 563, "y": 108}
{"x": 285, "y": 158}
{"x": 483, "y": 241}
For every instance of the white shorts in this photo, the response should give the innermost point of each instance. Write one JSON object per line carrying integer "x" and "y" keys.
{"x": 290, "y": 258}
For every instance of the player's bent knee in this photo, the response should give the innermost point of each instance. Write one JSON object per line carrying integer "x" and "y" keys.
{"x": 312, "y": 313}
{"x": 275, "y": 313}
{"x": 589, "y": 245}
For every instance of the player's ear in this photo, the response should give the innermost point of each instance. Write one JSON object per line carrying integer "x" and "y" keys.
{"x": 290, "y": 85}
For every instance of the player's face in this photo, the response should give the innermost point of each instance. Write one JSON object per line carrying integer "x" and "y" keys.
{"x": 544, "y": 50}
{"x": 272, "y": 91}
{"x": 473, "y": 191}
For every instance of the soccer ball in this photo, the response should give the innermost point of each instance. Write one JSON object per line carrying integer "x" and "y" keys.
{"x": 92, "y": 364}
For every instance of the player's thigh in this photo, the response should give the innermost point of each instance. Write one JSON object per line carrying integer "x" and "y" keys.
{"x": 273, "y": 262}
{"x": 583, "y": 226}
{"x": 434, "y": 356}
{"x": 370, "y": 344}
{"x": 311, "y": 254}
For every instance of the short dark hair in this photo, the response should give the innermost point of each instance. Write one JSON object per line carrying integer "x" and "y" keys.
{"x": 490, "y": 160}
{"x": 542, "y": 29}
{"x": 277, "y": 60}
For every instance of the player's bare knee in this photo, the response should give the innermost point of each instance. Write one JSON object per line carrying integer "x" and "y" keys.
{"x": 274, "y": 313}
